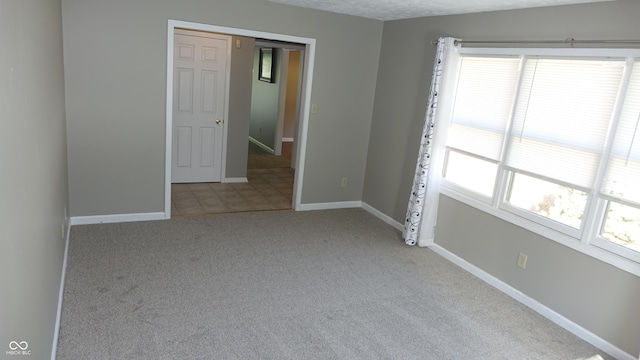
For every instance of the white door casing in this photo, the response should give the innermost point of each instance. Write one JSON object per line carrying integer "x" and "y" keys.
{"x": 200, "y": 87}
{"x": 301, "y": 128}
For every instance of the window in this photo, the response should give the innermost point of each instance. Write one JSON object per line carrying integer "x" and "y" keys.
{"x": 558, "y": 203}
{"x": 552, "y": 137}
{"x": 459, "y": 167}
{"x": 621, "y": 225}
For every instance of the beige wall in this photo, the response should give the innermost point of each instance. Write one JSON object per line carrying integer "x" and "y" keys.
{"x": 404, "y": 76}
{"x": 33, "y": 180}
{"x": 290, "y": 114}
{"x": 265, "y": 100}
{"x": 239, "y": 107}
{"x": 115, "y": 62}
{"x": 115, "y": 75}
{"x": 587, "y": 291}
{"x": 595, "y": 295}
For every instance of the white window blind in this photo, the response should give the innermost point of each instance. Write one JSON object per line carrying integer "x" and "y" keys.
{"x": 562, "y": 115}
{"x": 622, "y": 179}
{"x": 484, "y": 96}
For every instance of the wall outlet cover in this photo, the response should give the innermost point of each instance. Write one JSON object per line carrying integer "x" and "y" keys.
{"x": 522, "y": 260}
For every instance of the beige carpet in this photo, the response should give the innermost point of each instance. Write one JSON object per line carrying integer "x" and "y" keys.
{"x": 336, "y": 284}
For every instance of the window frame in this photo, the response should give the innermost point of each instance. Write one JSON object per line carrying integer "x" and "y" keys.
{"x": 600, "y": 241}
{"x": 469, "y": 192}
{"x": 504, "y": 204}
{"x": 587, "y": 239}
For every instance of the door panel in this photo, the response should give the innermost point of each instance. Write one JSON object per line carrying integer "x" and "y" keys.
{"x": 200, "y": 81}
{"x": 209, "y": 85}
{"x": 185, "y": 90}
{"x": 207, "y": 141}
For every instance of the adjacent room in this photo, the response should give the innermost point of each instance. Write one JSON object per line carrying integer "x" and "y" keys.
{"x": 326, "y": 180}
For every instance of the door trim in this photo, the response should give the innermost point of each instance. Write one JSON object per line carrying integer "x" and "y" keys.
{"x": 282, "y": 101}
{"x": 309, "y": 56}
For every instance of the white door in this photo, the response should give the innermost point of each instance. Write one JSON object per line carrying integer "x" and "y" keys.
{"x": 199, "y": 101}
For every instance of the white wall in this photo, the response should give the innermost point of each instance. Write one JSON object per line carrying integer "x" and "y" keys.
{"x": 33, "y": 180}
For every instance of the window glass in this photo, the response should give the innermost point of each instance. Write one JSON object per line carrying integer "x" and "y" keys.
{"x": 622, "y": 225}
{"x": 555, "y": 202}
{"x": 470, "y": 172}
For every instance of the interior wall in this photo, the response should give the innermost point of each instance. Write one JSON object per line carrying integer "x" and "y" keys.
{"x": 34, "y": 173}
{"x": 265, "y": 99}
{"x": 586, "y": 291}
{"x": 239, "y": 107}
{"x": 597, "y": 296}
{"x": 404, "y": 76}
{"x": 291, "y": 102}
{"x": 115, "y": 74}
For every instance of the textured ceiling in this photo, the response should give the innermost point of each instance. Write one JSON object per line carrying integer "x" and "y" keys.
{"x": 404, "y": 9}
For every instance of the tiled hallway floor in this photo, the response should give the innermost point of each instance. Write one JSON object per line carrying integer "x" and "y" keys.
{"x": 269, "y": 187}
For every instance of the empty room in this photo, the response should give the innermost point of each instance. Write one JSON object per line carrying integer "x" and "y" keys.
{"x": 461, "y": 184}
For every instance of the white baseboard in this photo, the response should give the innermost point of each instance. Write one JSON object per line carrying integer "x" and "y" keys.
{"x": 329, "y": 205}
{"x": 287, "y": 139}
{"x": 352, "y": 204}
{"x": 261, "y": 145}
{"x": 235, "y": 180}
{"x": 543, "y": 310}
{"x": 63, "y": 275}
{"x": 100, "y": 219}
{"x": 380, "y": 215}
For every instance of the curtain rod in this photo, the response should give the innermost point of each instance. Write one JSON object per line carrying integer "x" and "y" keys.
{"x": 569, "y": 41}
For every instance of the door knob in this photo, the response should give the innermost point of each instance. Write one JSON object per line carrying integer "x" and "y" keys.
{"x": 218, "y": 121}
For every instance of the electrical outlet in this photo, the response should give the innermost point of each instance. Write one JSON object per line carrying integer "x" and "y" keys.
{"x": 522, "y": 260}
{"x": 344, "y": 182}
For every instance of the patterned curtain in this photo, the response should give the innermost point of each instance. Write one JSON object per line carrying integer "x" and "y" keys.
{"x": 425, "y": 176}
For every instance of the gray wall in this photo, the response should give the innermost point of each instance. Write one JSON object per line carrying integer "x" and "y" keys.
{"x": 404, "y": 75}
{"x": 33, "y": 180}
{"x": 265, "y": 98}
{"x": 239, "y": 107}
{"x": 291, "y": 102}
{"x": 589, "y": 292}
{"x": 115, "y": 77}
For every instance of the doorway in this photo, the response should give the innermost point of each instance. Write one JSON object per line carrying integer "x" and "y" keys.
{"x": 305, "y": 99}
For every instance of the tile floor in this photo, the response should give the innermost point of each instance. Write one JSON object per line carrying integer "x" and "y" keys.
{"x": 267, "y": 189}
